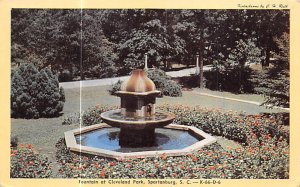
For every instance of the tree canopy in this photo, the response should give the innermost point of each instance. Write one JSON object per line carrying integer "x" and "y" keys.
{"x": 105, "y": 43}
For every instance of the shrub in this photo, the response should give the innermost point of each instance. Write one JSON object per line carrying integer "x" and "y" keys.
{"x": 71, "y": 119}
{"x": 100, "y": 72}
{"x": 164, "y": 83}
{"x": 26, "y": 163}
{"x": 14, "y": 141}
{"x": 35, "y": 94}
{"x": 171, "y": 88}
{"x": 231, "y": 125}
{"x": 89, "y": 117}
{"x": 65, "y": 76}
{"x": 232, "y": 79}
{"x": 115, "y": 87}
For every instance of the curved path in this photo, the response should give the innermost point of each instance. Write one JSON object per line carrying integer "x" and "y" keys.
{"x": 109, "y": 81}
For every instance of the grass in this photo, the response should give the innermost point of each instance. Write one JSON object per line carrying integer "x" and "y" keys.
{"x": 247, "y": 97}
{"x": 44, "y": 133}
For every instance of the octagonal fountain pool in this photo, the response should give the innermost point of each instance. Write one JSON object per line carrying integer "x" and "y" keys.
{"x": 137, "y": 129}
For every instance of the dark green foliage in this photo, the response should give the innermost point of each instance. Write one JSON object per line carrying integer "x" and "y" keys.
{"x": 65, "y": 76}
{"x": 115, "y": 41}
{"x": 53, "y": 37}
{"x": 164, "y": 83}
{"x": 234, "y": 79}
{"x": 26, "y": 163}
{"x": 99, "y": 72}
{"x": 14, "y": 141}
{"x": 35, "y": 94}
{"x": 274, "y": 82}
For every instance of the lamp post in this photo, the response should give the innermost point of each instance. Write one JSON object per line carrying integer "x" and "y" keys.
{"x": 201, "y": 85}
{"x": 146, "y": 65}
{"x": 197, "y": 65}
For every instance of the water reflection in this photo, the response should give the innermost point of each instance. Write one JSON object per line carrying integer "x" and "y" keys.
{"x": 165, "y": 139}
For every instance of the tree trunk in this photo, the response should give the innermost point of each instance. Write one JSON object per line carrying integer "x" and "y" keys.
{"x": 268, "y": 54}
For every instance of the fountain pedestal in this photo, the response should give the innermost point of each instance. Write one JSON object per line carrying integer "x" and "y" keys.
{"x": 137, "y": 117}
{"x": 136, "y": 138}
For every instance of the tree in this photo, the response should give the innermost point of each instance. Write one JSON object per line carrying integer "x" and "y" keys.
{"x": 35, "y": 93}
{"x": 47, "y": 38}
{"x": 274, "y": 82}
{"x": 98, "y": 53}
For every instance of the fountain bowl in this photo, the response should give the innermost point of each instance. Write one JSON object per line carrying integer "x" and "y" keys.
{"x": 116, "y": 119}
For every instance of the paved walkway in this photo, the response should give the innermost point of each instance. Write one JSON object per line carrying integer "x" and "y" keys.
{"x": 110, "y": 81}
{"x": 238, "y": 100}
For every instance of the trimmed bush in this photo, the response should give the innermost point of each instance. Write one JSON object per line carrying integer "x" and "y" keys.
{"x": 26, "y": 163}
{"x": 164, "y": 83}
{"x": 35, "y": 93}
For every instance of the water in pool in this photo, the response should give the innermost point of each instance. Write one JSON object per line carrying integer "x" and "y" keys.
{"x": 165, "y": 139}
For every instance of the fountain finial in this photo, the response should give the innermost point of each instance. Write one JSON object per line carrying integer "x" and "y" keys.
{"x": 146, "y": 62}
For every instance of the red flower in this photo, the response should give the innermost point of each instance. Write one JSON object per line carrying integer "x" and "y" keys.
{"x": 111, "y": 164}
{"x": 163, "y": 156}
{"x": 194, "y": 159}
{"x": 174, "y": 174}
{"x": 212, "y": 167}
{"x": 102, "y": 174}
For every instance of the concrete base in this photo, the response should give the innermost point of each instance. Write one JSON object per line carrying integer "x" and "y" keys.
{"x": 71, "y": 143}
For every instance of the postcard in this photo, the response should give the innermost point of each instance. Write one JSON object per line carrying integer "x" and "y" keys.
{"x": 149, "y": 93}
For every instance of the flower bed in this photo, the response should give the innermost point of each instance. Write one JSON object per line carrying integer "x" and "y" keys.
{"x": 26, "y": 163}
{"x": 264, "y": 153}
{"x": 231, "y": 125}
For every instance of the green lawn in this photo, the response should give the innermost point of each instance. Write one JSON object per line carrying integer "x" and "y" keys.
{"x": 44, "y": 133}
